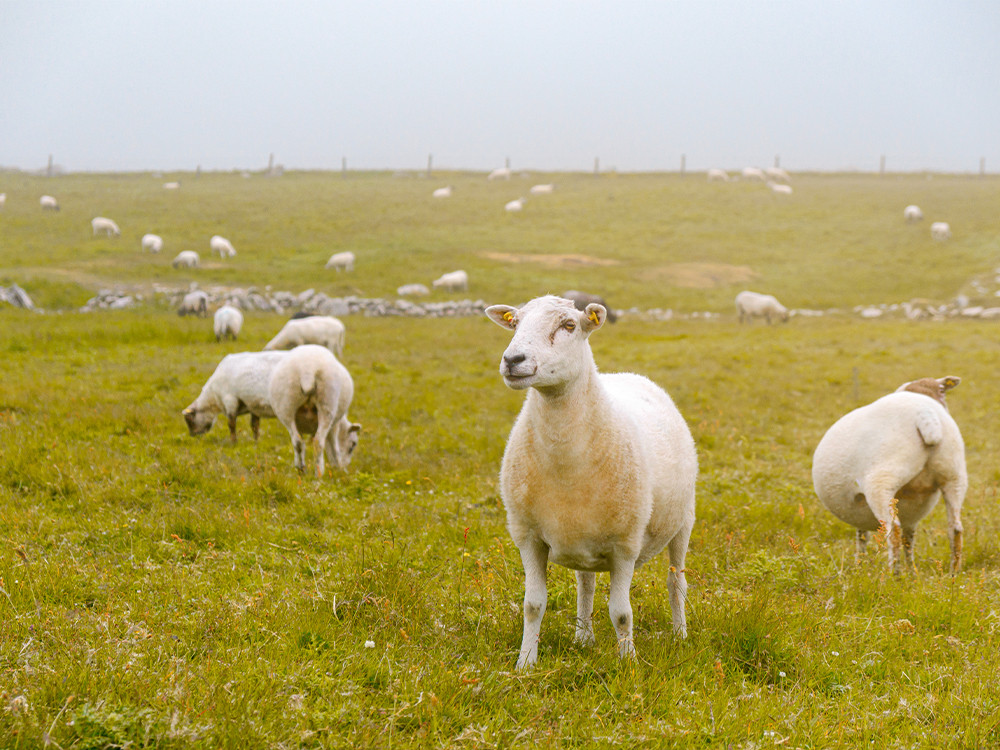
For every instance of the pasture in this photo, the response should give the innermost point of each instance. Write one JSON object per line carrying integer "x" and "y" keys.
{"x": 160, "y": 590}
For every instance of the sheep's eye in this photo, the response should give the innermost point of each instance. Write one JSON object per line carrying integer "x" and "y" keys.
{"x": 569, "y": 325}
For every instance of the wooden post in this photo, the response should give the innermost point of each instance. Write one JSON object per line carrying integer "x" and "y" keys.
{"x": 197, "y": 171}
{"x": 881, "y": 165}
{"x": 777, "y": 161}
{"x": 683, "y": 163}
{"x": 48, "y": 169}
{"x": 982, "y": 166}
{"x": 430, "y": 160}
{"x": 343, "y": 166}
{"x": 270, "y": 164}
{"x": 597, "y": 166}
{"x": 507, "y": 162}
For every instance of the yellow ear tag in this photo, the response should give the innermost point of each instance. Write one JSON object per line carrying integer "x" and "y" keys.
{"x": 593, "y": 318}
{"x": 508, "y": 316}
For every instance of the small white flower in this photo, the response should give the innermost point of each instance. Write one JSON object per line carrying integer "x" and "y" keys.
{"x": 369, "y": 644}
{"x": 781, "y": 674}
{"x": 835, "y": 653}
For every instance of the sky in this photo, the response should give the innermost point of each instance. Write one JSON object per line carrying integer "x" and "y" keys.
{"x": 132, "y": 85}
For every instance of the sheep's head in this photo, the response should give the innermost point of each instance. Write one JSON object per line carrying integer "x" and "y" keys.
{"x": 549, "y": 348}
{"x": 199, "y": 421}
{"x": 933, "y": 387}
{"x": 347, "y": 434}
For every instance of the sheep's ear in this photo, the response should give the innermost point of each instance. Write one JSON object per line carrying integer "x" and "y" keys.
{"x": 594, "y": 316}
{"x": 949, "y": 382}
{"x": 188, "y": 412}
{"x": 355, "y": 427}
{"x": 504, "y": 316}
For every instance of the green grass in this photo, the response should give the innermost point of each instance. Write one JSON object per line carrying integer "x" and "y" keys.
{"x": 160, "y": 590}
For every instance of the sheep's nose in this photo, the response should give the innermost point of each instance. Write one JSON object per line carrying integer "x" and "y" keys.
{"x": 513, "y": 359}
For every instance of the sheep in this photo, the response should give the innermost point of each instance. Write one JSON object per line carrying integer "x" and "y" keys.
{"x": 324, "y": 330}
{"x": 171, "y": 185}
{"x": 222, "y": 246}
{"x": 105, "y": 226}
{"x": 227, "y": 322}
{"x": 777, "y": 173}
{"x": 515, "y": 205}
{"x": 310, "y": 380}
{"x": 194, "y": 303}
{"x": 412, "y": 289}
{"x": 913, "y": 214}
{"x": 777, "y": 187}
{"x": 502, "y": 173}
{"x": 752, "y": 173}
{"x": 885, "y": 465}
{"x": 48, "y": 203}
{"x": 238, "y": 386}
{"x": 341, "y": 261}
{"x": 3, "y": 199}
{"x": 186, "y": 259}
{"x": 541, "y": 189}
{"x": 455, "y": 281}
{"x": 152, "y": 242}
{"x": 444, "y": 192}
{"x": 940, "y": 230}
{"x": 581, "y": 299}
{"x": 717, "y": 175}
{"x": 598, "y": 473}
{"x": 750, "y": 305}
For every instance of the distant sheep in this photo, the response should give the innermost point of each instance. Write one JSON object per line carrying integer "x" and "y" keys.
{"x": 752, "y": 173}
{"x": 48, "y": 203}
{"x": 416, "y": 290}
{"x": 310, "y": 381}
{"x": 3, "y": 199}
{"x": 152, "y": 243}
{"x": 913, "y": 214}
{"x": 228, "y": 322}
{"x": 717, "y": 175}
{"x": 171, "y": 185}
{"x": 455, "y": 281}
{"x": 781, "y": 189}
{"x": 341, "y": 261}
{"x": 598, "y": 474}
{"x": 222, "y": 246}
{"x": 750, "y": 305}
{"x": 885, "y": 465}
{"x": 499, "y": 174}
{"x": 581, "y": 299}
{"x": 186, "y": 259}
{"x": 542, "y": 189}
{"x": 940, "y": 231}
{"x": 515, "y": 205}
{"x": 194, "y": 303}
{"x": 777, "y": 173}
{"x": 324, "y": 330}
{"x": 444, "y": 192}
{"x": 101, "y": 225}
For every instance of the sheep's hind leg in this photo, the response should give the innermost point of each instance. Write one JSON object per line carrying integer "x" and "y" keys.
{"x": 909, "y": 535}
{"x": 677, "y": 582}
{"x": 954, "y": 494}
{"x": 860, "y": 545}
{"x": 883, "y": 506}
{"x": 585, "y": 585}
{"x": 534, "y": 557}
{"x": 619, "y": 606}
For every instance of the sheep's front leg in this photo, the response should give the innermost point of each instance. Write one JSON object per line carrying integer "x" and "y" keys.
{"x": 231, "y": 419}
{"x": 860, "y": 545}
{"x": 909, "y": 535}
{"x": 585, "y": 585}
{"x": 954, "y": 494}
{"x": 620, "y": 607}
{"x": 534, "y": 557}
{"x": 255, "y": 426}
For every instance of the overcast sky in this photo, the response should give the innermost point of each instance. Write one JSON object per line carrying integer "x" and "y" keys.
{"x": 827, "y": 84}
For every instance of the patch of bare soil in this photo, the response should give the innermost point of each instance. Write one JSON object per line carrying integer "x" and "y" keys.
{"x": 567, "y": 260}
{"x": 701, "y": 275}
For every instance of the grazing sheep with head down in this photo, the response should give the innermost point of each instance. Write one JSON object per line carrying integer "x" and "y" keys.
{"x": 222, "y": 246}
{"x": 717, "y": 175}
{"x": 185, "y": 259}
{"x": 599, "y": 470}
{"x": 48, "y": 203}
{"x": 750, "y": 305}
{"x": 324, "y": 330}
{"x": 152, "y": 243}
{"x": 455, "y": 281}
{"x": 941, "y": 230}
{"x": 228, "y": 322}
{"x": 102, "y": 225}
{"x": 310, "y": 381}
{"x": 913, "y": 214}
{"x": 341, "y": 261}
{"x": 885, "y": 465}
{"x": 194, "y": 303}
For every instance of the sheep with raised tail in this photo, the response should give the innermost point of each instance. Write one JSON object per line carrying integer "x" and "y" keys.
{"x": 324, "y": 330}
{"x": 311, "y": 384}
{"x": 228, "y": 322}
{"x": 599, "y": 470}
{"x": 885, "y": 465}
{"x": 750, "y": 305}
{"x": 102, "y": 225}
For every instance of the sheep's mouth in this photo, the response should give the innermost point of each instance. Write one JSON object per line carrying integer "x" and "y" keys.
{"x": 514, "y": 379}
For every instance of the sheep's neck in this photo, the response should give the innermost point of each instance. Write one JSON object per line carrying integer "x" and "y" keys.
{"x": 570, "y": 415}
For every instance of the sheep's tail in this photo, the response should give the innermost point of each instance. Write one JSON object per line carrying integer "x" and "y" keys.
{"x": 307, "y": 381}
{"x": 929, "y": 426}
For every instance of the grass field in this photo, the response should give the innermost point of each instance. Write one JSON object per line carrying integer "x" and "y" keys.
{"x": 160, "y": 590}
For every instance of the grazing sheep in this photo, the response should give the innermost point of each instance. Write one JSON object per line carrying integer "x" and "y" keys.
{"x": 412, "y": 289}
{"x": 186, "y": 259}
{"x": 171, "y": 185}
{"x": 105, "y": 226}
{"x": 940, "y": 230}
{"x": 581, "y": 299}
{"x": 222, "y": 246}
{"x": 885, "y": 465}
{"x": 542, "y": 189}
{"x": 515, "y": 205}
{"x": 599, "y": 470}
{"x": 750, "y": 305}
{"x": 152, "y": 242}
{"x": 777, "y": 173}
{"x": 501, "y": 173}
{"x": 311, "y": 380}
{"x": 455, "y": 281}
{"x": 194, "y": 303}
{"x": 3, "y": 199}
{"x": 227, "y": 322}
{"x": 324, "y": 330}
{"x": 913, "y": 214}
{"x": 341, "y": 261}
{"x": 717, "y": 175}
{"x": 752, "y": 173}
{"x": 444, "y": 192}
{"x": 777, "y": 187}
{"x": 48, "y": 203}
{"x": 238, "y": 386}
